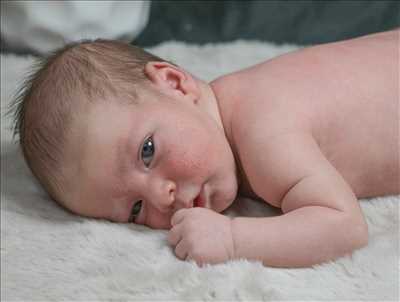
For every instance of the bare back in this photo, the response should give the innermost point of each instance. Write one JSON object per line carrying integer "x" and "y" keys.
{"x": 345, "y": 94}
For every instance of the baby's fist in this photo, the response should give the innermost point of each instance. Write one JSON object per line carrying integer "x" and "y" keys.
{"x": 201, "y": 235}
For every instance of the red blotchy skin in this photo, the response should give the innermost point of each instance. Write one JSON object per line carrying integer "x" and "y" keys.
{"x": 191, "y": 153}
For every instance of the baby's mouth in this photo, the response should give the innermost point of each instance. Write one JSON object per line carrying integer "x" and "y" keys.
{"x": 198, "y": 202}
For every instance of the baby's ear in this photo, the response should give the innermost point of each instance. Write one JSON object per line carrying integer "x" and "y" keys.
{"x": 172, "y": 79}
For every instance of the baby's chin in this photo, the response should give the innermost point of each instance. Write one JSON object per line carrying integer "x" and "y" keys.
{"x": 224, "y": 200}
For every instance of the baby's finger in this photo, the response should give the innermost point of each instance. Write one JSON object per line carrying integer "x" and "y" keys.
{"x": 178, "y": 216}
{"x": 198, "y": 262}
{"x": 174, "y": 234}
{"x": 181, "y": 250}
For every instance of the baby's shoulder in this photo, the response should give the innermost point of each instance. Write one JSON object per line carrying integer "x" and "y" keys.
{"x": 259, "y": 105}
{"x": 262, "y": 116}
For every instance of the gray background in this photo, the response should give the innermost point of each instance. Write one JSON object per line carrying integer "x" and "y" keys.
{"x": 299, "y": 22}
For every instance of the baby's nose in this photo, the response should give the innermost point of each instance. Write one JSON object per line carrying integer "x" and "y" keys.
{"x": 167, "y": 196}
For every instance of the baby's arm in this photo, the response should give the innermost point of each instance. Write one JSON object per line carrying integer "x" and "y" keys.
{"x": 322, "y": 219}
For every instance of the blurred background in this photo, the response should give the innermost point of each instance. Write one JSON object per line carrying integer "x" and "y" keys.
{"x": 37, "y": 27}
{"x": 299, "y": 22}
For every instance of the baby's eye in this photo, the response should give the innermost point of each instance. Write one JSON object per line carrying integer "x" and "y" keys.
{"x": 148, "y": 150}
{"x": 135, "y": 211}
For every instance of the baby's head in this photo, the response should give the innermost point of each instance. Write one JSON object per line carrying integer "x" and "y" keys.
{"x": 112, "y": 131}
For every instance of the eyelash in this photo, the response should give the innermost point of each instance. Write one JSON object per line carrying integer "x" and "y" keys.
{"x": 151, "y": 142}
{"x": 132, "y": 216}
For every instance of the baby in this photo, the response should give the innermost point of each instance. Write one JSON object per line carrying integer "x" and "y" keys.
{"x": 114, "y": 132}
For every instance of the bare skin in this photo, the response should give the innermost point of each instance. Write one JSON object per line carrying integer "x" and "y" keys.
{"x": 308, "y": 132}
{"x": 341, "y": 95}
{"x": 314, "y": 130}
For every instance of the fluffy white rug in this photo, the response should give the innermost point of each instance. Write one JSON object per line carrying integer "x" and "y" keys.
{"x": 49, "y": 254}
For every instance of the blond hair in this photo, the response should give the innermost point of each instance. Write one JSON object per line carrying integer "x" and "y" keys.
{"x": 43, "y": 108}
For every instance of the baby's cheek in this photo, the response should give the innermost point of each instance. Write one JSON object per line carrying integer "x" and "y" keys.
{"x": 188, "y": 163}
{"x": 192, "y": 160}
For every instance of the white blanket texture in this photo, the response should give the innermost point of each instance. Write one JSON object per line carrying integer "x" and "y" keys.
{"x": 48, "y": 254}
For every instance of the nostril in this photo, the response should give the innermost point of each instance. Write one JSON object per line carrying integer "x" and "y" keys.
{"x": 172, "y": 194}
{"x": 171, "y": 191}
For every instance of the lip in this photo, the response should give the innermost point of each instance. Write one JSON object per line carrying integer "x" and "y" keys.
{"x": 200, "y": 200}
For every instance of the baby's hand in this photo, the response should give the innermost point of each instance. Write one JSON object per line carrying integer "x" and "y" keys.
{"x": 201, "y": 235}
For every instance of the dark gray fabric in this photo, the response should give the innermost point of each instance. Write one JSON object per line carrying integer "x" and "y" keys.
{"x": 300, "y": 22}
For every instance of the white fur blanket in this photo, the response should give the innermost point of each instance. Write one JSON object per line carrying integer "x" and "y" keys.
{"x": 48, "y": 254}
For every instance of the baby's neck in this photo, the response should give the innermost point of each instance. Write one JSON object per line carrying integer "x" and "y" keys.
{"x": 227, "y": 95}
{"x": 223, "y": 100}
{"x": 209, "y": 103}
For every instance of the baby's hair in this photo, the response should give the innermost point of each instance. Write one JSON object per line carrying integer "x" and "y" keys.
{"x": 57, "y": 87}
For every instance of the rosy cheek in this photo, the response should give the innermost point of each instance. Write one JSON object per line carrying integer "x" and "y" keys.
{"x": 189, "y": 154}
{"x": 181, "y": 164}
{"x": 190, "y": 161}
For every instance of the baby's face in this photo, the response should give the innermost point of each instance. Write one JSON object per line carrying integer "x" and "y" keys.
{"x": 143, "y": 162}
